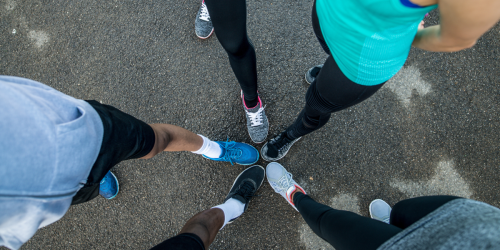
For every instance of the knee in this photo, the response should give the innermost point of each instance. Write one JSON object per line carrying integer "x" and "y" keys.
{"x": 316, "y": 122}
{"x": 204, "y": 223}
{"x": 211, "y": 216}
{"x": 162, "y": 139}
{"x": 237, "y": 49}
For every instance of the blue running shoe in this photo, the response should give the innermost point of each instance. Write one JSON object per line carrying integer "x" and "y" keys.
{"x": 109, "y": 187}
{"x": 236, "y": 152}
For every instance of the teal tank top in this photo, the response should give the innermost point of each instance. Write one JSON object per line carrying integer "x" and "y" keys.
{"x": 369, "y": 39}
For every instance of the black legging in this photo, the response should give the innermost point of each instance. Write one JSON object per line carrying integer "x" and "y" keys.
{"x": 347, "y": 230}
{"x": 332, "y": 91}
{"x": 230, "y": 25}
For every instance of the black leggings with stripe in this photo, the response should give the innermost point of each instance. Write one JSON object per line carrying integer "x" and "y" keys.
{"x": 331, "y": 92}
{"x": 347, "y": 230}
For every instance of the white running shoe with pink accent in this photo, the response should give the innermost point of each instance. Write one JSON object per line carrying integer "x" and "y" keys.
{"x": 282, "y": 182}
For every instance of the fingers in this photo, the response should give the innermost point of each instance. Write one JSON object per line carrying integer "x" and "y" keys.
{"x": 421, "y": 25}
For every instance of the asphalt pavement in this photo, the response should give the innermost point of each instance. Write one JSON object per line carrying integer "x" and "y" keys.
{"x": 432, "y": 129}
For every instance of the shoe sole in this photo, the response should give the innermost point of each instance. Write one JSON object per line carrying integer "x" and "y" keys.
{"x": 246, "y": 164}
{"x": 305, "y": 78}
{"x": 206, "y": 36}
{"x": 229, "y": 222}
{"x": 275, "y": 159}
{"x": 117, "y": 186}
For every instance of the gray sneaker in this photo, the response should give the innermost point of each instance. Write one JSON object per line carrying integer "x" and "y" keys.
{"x": 282, "y": 182}
{"x": 203, "y": 24}
{"x": 277, "y": 147}
{"x": 257, "y": 123}
{"x": 380, "y": 210}
{"x": 312, "y": 73}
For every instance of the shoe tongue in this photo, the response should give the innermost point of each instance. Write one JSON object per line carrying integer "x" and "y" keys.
{"x": 254, "y": 109}
{"x": 272, "y": 151}
{"x": 222, "y": 151}
{"x": 240, "y": 198}
{"x": 283, "y": 140}
{"x": 290, "y": 190}
{"x": 386, "y": 219}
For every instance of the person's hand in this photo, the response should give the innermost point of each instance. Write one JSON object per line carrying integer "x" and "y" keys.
{"x": 462, "y": 22}
{"x": 421, "y": 25}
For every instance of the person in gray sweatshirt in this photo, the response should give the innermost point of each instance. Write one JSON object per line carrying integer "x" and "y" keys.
{"x": 57, "y": 151}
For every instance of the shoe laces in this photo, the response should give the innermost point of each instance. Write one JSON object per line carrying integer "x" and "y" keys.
{"x": 204, "y": 13}
{"x": 386, "y": 219}
{"x": 284, "y": 183}
{"x": 246, "y": 191}
{"x": 280, "y": 142}
{"x": 256, "y": 118}
{"x": 231, "y": 152}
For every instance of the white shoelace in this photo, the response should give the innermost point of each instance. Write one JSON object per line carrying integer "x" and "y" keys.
{"x": 283, "y": 184}
{"x": 256, "y": 118}
{"x": 386, "y": 220}
{"x": 204, "y": 13}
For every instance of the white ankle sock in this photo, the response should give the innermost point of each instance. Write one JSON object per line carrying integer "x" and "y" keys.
{"x": 209, "y": 148}
{"x": 232, "y": 208}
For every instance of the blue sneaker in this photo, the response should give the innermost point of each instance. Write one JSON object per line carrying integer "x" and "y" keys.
{"x": 237, "y": 152}
{"x": 109, "y": 187}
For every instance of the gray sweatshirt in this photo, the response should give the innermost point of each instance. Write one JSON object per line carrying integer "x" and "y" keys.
{"x": 458, "y": 224}
{"x": 49, "y": 142}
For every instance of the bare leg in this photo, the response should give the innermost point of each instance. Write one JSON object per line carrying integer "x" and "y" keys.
{"x": 206, "y": 224}
{"x": 173, "y": 138}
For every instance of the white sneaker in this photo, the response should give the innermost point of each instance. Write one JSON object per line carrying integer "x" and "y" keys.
{"x": 380, "y": 210}
{"x": 281, "y": 181}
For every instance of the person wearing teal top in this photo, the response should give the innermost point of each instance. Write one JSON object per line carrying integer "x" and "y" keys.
{"x": 378, "y": 35}
{"x": 368, "y": 42}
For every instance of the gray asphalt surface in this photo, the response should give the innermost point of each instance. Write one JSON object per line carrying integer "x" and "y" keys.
{"x": 434, "y": 129}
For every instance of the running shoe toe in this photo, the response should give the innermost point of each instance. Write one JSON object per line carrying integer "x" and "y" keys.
{"x": 249, "y": 154}
{"x": 236, "y": 152}
{"x": 380, "y": 210}
{"x": 109, "y": 187}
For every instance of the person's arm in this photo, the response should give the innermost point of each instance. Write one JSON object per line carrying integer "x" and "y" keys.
{"x": 462, "y": 22}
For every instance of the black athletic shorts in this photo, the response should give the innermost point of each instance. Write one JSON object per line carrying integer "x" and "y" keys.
{"x": 185, "y": 241}
{"x": 124, "y": 137}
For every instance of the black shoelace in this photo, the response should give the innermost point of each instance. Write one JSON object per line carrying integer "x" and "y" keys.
{"x": 246, "y": 191}
{"x": 283, "y": 140}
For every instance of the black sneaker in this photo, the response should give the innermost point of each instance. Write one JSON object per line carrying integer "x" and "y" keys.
{"x": 245, "y": 185}
{"x": 312, "y": 73}
{"x": 277, "y": 147}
